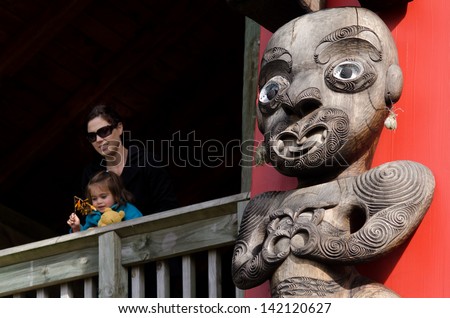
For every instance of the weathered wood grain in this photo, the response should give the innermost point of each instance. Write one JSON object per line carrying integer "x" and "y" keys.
{"x": 52, "y": 270}
{"x": 188, "y": 275}
{"x": 113, "y": 278}
{"x": 180, "y": 240}
{"x": 214, "y": 274}
{"x": 162, "y": 279}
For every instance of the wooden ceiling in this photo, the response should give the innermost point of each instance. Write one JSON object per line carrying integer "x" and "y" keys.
{"x": 173, "y": 69}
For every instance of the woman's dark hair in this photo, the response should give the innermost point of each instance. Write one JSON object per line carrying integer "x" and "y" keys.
{"x": 105, "y": 112}
{"x": 114, "y": 183}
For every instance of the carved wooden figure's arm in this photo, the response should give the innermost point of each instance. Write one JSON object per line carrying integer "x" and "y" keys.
{"x": 396, "y": 196}
{"x": 252, "y": 263}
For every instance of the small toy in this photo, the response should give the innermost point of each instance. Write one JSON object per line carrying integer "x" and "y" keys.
{"x": 82, "y": 206}
{"x": 110, "y": 216}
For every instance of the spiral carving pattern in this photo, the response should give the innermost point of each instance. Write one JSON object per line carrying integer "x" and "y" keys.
{"x": 276, "y": 53}
{"x": 348, "y": 32}
{"x": 381, "y": 231}
{"x": 240, "y": 249}
{"x": 333, "y": 248}
{"x": 343, "y": 33}
{"x": 389, "y": 184}
{"x": 376, "y": 234}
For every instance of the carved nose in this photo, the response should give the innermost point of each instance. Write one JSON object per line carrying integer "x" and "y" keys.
{"x": 307, "y": 101}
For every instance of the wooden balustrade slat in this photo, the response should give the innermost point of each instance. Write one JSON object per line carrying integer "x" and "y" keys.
{"x": 90, "y": 288}
{"x": 42, "y": 293}
{"x": 66, "y": 291}
{"x": 214, "y": 274}
{"x": 188, "y": 272}
{"x": 162, "y": 279}
{"x": 137, "y": 281}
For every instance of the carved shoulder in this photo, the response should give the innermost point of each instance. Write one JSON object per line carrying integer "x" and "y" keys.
{"x": 395, "y": 197}
{"x": 398, "y": 182}
{"x": 257, "y": 210}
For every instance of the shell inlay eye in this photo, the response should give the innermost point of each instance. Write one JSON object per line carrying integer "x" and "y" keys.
{"x": 348, "y": 71}
{"x": 274, "y": 87}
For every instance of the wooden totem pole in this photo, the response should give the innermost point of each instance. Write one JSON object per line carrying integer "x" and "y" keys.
{"x": 327, "y": 85}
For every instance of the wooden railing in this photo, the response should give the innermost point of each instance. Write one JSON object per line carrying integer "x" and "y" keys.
{"x": 182, "y": 248}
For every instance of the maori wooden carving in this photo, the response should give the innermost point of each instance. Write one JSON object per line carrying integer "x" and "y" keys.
{"x": 328, "y": 81}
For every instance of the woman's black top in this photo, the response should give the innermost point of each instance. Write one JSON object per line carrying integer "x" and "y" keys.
{"x": 149, "y": 183}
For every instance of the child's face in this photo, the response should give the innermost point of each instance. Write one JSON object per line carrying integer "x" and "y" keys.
{"x": 101, "y": 197}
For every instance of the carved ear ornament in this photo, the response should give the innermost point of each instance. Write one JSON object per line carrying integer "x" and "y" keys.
{"x": 391, "y": 121}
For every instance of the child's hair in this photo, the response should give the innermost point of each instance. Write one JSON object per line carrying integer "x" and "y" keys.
{"x": 114, "y": 183}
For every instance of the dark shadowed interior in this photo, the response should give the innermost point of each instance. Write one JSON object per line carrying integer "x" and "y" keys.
{"x": 173, "y": 69}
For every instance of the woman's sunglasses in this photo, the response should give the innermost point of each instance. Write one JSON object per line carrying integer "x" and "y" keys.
{"x": 102, "y": 133}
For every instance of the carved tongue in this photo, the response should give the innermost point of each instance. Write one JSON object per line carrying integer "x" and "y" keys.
{"x": 306, "y": 143}
{"x": 289, "y": 145}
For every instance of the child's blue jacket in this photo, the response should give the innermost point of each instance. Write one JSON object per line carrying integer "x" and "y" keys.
{"x": 131, "y": 212}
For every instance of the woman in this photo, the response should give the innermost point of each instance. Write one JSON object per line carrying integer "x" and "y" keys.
{"x": 150, "y": 185}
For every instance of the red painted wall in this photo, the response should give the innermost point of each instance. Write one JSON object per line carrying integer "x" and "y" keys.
{"x": 421, "y": 267}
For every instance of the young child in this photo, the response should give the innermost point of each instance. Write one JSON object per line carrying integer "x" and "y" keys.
{"x": 105, "y": 190}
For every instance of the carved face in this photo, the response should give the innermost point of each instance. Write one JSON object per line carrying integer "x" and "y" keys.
{"x": 326, "y": 82}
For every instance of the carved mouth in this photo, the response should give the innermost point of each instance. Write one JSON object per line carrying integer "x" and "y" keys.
{"x": 289, "y": 144}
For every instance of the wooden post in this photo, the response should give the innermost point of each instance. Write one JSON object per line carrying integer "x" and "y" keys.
{"x": 113, "y": 277}
{"x": 251, "y": 59}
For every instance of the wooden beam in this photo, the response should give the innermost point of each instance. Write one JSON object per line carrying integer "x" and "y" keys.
{"x": 185, "y": 239}
{"x": 43, "y": 272}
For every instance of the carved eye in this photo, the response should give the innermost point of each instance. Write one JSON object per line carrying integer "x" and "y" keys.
{"x": 348, "y": 71}
{"x": 273, "y": 88}
{"x": 350, "y": 76}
